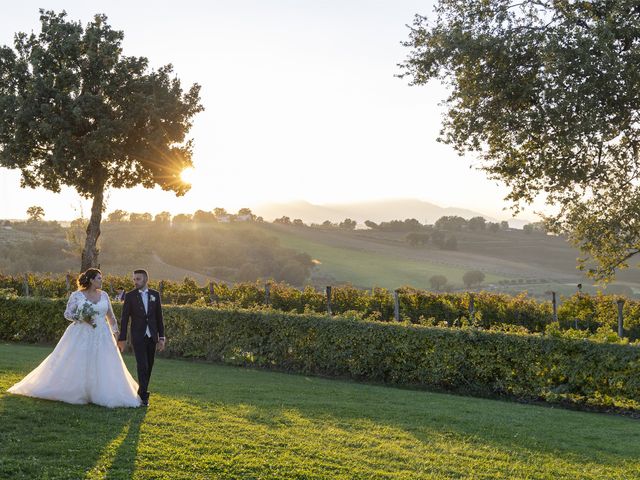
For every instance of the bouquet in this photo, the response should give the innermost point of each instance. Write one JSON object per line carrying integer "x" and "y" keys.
{"x": 85, "y": 313}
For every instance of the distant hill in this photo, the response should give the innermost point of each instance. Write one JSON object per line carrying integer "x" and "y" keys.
{"x": 377, "y": 211}
{"x": 512, "y": 260}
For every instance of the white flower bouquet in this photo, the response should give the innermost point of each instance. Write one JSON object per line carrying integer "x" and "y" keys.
{"x": 85, "y": 313}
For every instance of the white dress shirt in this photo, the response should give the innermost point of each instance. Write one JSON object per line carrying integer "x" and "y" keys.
{"x": 145, "y": 301}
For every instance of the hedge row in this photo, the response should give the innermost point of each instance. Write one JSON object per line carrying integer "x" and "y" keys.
{"x": 580, "y": 311}
{"x": 472, "y": 361}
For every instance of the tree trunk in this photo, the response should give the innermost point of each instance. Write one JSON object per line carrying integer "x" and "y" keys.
{"x": 90, "y": 252}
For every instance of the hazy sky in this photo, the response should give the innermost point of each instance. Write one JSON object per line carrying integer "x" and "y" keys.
{"x": 301, "y": 103}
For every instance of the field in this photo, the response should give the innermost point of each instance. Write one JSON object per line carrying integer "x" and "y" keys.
{"x": 512, "y": 261}
{"x": 366, "y": 258}
{"x": 366, "y": 267}
{"x": 213, "y": 421}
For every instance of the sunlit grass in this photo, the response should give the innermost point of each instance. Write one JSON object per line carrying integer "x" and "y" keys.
{"x": 214, "y": 421}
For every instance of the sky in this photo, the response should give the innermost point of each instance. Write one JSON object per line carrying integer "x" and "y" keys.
{"x": 301, "y": 103}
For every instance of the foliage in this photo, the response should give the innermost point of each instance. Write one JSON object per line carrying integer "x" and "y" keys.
{"x": 591, "y": 315}
{"x": 467, "y": 360}
{"x": 76, "y": 112}
{"x": 473, "y": 277}
{"x": 450, "y": 222}
{"x": 437, "y": 282}
{"x": 415, "y": 238}
{"x": 406, "y": 225}
{"x": 546, "y": 93}
{"x": 35, "y": 213}
{"x": 348, "y": 224}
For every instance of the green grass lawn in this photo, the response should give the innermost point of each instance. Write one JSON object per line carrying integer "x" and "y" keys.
{"x": 213, "y": 421}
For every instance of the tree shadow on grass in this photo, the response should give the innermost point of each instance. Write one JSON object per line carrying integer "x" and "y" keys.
{"x": 269, "y": 399}
{"x": 49, "y": 439}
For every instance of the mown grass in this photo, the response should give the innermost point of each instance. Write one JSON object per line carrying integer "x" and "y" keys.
{"x": 215, "y": 421}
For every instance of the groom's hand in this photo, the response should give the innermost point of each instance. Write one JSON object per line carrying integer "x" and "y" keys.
{"x": 161, "y": 344}
{"x": 122, "y": 344}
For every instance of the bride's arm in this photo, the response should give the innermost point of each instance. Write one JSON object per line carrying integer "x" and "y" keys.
{"x": 72, "y": 307}
{"x": 113, "y": 323}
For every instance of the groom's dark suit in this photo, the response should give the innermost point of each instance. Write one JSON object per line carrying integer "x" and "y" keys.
{"x": 146, "y": 330}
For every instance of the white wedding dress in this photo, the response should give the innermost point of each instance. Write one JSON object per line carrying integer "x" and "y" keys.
{"x": 86, "y": 365}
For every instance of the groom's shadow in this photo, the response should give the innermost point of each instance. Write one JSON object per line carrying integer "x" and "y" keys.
{"x": 124, "y": 460}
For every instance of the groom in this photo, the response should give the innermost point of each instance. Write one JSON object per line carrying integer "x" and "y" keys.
{"x": 143, "y": 306}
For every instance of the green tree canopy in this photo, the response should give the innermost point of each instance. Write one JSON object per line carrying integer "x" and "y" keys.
{"x": 547, "y": 94}
{"x": 75, "y": 111}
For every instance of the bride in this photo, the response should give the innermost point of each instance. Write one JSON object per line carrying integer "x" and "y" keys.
{"x": 86, "y": 365}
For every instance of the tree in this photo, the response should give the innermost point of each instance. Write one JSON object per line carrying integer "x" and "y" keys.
{"x": 415, "y": 238}
{"x": 35, "y": 213}
{"x": 451, "y": 243}
{"x": 76, "y": 112}
{"x": 412, "y": 224}
{"x": 545, "y": 93}
{"x": 477, "y": 223}
{"x": 246, "y": 213}
{"x": 163, "y": 218}
{"x": 438, "y": 282}
{"x": 348, "y": 224}
{"x": 74, "y": 236}
{"x": 298, "y": 222}
{"x": 284, "y": 220}
{"x": 472, "y": 277}
{"x": 438, "y": 238}
{"x": 293, "y": 272}
{"x": 248, "y": 272}
{"x": 370, "y": 224}
{"x": 182, "y": 218}
{"x": 200, "y": 216}
{"x": 220, "y": 212}
{"x": 451, "y": 222}
{"x": 140, "y": 217}
{"x": 117, "y": 216}
{"x": 538, "y": 227}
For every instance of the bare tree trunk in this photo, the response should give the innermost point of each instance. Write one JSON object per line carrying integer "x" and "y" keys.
{"x": 90, "y": 252}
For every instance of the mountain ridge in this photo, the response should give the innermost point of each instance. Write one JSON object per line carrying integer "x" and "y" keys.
{"x": 374, "y": 210}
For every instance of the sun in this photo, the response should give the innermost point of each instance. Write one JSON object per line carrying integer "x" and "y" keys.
{"x": 188, "y": 175}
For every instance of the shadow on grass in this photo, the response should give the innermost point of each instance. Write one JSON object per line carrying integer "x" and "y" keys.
{"x": 279, "y": 401}
{"x": 48, "y": 439}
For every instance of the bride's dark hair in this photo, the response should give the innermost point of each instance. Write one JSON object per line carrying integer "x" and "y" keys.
{"x": 84, "y": 279}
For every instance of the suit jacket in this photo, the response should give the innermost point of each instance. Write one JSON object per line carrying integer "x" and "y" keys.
{"x": 133, "y": 309}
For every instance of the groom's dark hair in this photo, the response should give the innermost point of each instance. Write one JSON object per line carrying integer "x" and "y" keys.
{"x": 141, "y": 271}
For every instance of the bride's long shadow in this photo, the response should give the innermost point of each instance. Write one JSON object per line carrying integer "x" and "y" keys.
{"x": 67, "y": 441}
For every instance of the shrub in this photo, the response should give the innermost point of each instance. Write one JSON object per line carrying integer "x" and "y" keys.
{"x": 524, "y": 366}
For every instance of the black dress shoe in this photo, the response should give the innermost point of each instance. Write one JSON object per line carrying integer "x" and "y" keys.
{"x": 145, "y": 403}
